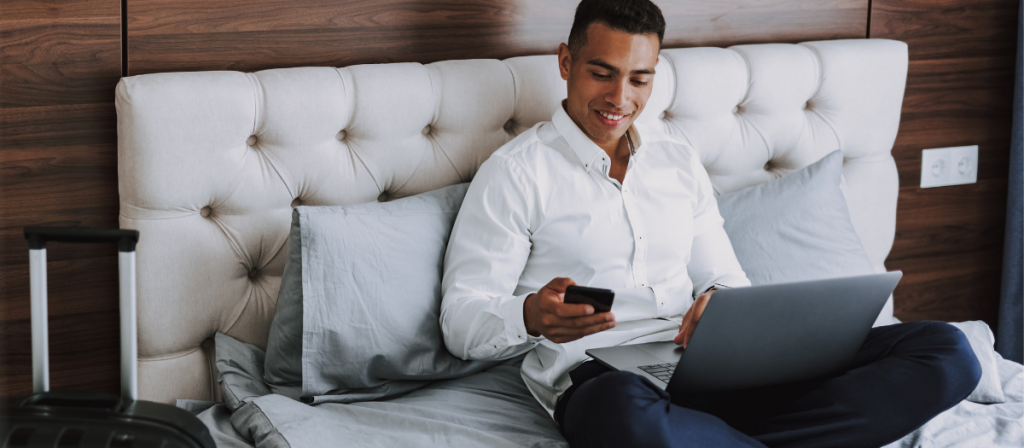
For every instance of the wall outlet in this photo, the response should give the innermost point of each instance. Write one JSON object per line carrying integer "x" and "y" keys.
{"x": 949, "y": 166}
{"x": 965, "y": 165}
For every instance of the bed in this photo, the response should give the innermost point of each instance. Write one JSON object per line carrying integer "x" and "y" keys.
{"x": 211, "y": 165}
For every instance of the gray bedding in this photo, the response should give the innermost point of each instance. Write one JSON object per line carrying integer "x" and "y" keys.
{"x": 493, "y": 408}
{"x": 489, "y": 409}
{"x": 357, "y": 316}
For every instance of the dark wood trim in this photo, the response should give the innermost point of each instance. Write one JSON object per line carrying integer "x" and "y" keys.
{"x": 124, "y": 38}
{"x": 867, "y": 33}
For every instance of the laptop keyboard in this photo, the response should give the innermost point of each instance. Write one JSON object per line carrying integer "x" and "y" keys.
{"x": 662, "y": 372}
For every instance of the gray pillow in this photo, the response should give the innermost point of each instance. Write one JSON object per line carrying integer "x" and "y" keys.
{"x": 796, "y": 227}
{"x": 357, "y": 313}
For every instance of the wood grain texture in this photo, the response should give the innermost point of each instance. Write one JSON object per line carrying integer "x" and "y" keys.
{"x": 927, "y": 225}
{"x": 924, "y": 292}
{"x": 253, "y": 35}
{"x": 79, "y": 355}
{"x": 53, "y": 10}
{"x": 942, "y": 29}
{"x": 959, "y": 89}
{"x": 59, "y": 64}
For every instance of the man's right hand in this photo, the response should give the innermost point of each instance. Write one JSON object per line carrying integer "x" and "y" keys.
{"x": 546, "y": 315}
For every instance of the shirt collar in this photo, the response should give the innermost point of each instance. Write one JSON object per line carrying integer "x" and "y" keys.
{"x": 588, "y": 152}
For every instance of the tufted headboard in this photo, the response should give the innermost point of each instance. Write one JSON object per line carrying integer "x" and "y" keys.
{"x": 210, "y": 164}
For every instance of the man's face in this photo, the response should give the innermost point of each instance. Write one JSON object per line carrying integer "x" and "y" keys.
{"x": 609, "y": 81}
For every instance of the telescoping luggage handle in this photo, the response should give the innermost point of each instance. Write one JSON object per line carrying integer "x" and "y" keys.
{"x": 126, "y": 240}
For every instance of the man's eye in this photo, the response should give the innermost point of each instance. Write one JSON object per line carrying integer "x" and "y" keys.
{"x": 600, "y": 76}
{"x": 640, "y": 83}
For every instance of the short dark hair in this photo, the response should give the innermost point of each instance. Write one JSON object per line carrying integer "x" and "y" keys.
{"x": 631, "y": 16}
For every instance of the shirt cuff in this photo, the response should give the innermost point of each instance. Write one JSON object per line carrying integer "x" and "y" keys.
{"x": 715, "y": 286}
{"x": 725, "y": 282}
{"x": 515, "y": 325}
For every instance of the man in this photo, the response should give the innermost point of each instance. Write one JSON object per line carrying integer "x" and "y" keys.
{"x": 590, "y": 198}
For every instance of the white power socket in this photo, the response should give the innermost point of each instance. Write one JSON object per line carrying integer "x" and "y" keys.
{"x": 949, "y": 166}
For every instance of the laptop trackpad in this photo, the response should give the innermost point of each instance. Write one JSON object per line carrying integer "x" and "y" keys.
{"x": 668, "y": 351}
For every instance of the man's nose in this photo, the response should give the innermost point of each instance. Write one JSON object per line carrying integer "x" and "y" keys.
{"x": 617, "y": 95}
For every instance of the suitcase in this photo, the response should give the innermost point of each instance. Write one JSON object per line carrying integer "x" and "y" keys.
{"x": 92, "y": 419}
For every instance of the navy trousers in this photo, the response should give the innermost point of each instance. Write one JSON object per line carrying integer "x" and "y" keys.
{"x": 904, "y": 375}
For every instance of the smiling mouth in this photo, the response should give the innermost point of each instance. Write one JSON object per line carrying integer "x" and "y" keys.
{"x": 610, "y": 119}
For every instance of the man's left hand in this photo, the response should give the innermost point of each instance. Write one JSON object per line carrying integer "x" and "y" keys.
{"x": 691, "y": 318}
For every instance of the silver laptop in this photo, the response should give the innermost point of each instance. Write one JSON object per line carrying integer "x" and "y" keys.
{"x": 763, "y": 335}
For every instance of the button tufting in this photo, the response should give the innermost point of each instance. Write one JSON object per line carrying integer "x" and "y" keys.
{"x": 768, "y": 166}
{"x": 426, "y": 130}
{"x": 383, "y": 197}
{"x": 807, "y": 105}
{"x": 253, "y": 273}
{"x": 736, "y": 110}
{"x": 251, "y": 140}
{"x": 341, "y": 135}
{"x": 296, "y": 202}
{"x": 509, "y": 126}
{"x": 205, "y": 211}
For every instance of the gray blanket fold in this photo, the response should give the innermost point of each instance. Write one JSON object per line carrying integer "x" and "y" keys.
{"x": 492, "y": 408}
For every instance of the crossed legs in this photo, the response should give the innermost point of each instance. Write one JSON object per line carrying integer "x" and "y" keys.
{"x": 903, "y": 375}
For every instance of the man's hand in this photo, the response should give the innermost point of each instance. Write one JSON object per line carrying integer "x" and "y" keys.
{"x": 692, "y": 317}
{"x": 545, "y": 314}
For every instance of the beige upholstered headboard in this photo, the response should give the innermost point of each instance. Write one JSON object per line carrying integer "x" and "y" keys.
{"x": 211, "y": 163}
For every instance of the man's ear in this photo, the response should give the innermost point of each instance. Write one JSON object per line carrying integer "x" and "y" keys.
{"x": 564, "y": 60}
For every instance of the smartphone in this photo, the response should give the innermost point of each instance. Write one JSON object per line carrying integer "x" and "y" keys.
{"x": 600, "y": 299}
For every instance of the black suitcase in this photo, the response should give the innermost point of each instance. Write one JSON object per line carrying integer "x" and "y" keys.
{"x": 92, "y": 419}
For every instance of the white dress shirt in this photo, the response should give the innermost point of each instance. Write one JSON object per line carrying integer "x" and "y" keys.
{"x": 543, "y": 206}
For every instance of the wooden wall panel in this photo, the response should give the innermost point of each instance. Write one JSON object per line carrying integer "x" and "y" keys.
{"x": 959, "y": 88}
{"x": 59, "y": 63}
{"x": 253, "y": 35}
